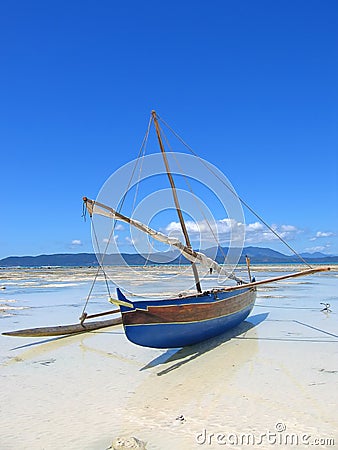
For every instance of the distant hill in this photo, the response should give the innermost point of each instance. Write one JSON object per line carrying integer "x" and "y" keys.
{"x": 313, "y": 255}
{"x": 258, "y": 255}
{"x": 63, "y": 259}
{"x": 68, "y": 260}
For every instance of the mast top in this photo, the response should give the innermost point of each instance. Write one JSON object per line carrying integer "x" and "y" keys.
{"x": 173, "y": 188}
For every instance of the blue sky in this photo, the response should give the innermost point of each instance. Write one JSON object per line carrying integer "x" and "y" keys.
{"x": 250, "y": 85}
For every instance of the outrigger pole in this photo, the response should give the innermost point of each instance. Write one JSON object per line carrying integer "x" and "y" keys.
{"x": 281, "y": 277}
{"x": 177, "y": 204}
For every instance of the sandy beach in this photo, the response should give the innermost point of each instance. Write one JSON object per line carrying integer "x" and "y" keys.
{"x": 270, "y": 383}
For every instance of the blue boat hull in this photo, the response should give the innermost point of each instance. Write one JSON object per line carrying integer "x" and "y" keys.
{"x": 185, "y": 321}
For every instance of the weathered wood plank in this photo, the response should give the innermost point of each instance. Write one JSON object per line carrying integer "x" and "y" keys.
{"x": 61, "y": 330}
{"x": 181, "y": 313}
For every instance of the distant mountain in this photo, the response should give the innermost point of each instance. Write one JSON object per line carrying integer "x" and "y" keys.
{"x": 68, "y": 259}
{"x": 258, "y": 255}
{"x": 267, "y": 255}
{"x": 313, "y": 255}
{"x": 261, "y": 255}
{"x": 63, "y": 259}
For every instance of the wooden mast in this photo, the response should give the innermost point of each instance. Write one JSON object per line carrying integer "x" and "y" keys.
{"x": 177, "y": 204}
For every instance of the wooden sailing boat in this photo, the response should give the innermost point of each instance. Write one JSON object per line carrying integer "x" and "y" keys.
{"x": 179, "y": 321}
{"x": 182, "y": 321}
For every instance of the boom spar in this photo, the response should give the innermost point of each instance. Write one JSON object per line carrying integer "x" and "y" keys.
{"x": 94, "y": 207}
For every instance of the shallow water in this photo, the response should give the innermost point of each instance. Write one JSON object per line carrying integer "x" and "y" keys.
{"x": 83, "y": 391}
{"x": 32, "y": 297}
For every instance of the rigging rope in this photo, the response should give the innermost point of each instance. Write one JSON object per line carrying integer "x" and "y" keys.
{"x": 137, "y": 184}
{"x": 100, "y": 263}
{"x": 100, "y": 267}
{"x": 121, "y": 203}
{"x": 235, "y": 194}
{"x": 194, "y": 196}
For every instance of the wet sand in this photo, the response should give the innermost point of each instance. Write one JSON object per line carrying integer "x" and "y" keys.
{"x": 275, "y": 375}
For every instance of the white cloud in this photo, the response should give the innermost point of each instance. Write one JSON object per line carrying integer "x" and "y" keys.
{"x": 256, "y": 226}
{"x": 257, "y": 232}
{"x": 119, "y": 227}
{"x": 192, "y": 227}
{"x": 112, "y": 239}
{"x": 321, "y": 234}
{"x": 76, "y": 242}
{"x": 226, "y": 229}
{"x": 205, "y": 232}
{"x": 288, "y": 228}
{"x": 318, "y": 248}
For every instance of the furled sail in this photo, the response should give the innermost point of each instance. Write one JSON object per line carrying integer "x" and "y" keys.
{"x": 94, "y": 207}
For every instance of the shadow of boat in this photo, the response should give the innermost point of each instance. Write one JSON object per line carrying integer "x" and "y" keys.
{"x": 194, "y": 382}
{"x": 38, "y": 348}
{"x": 184, "y": 355}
